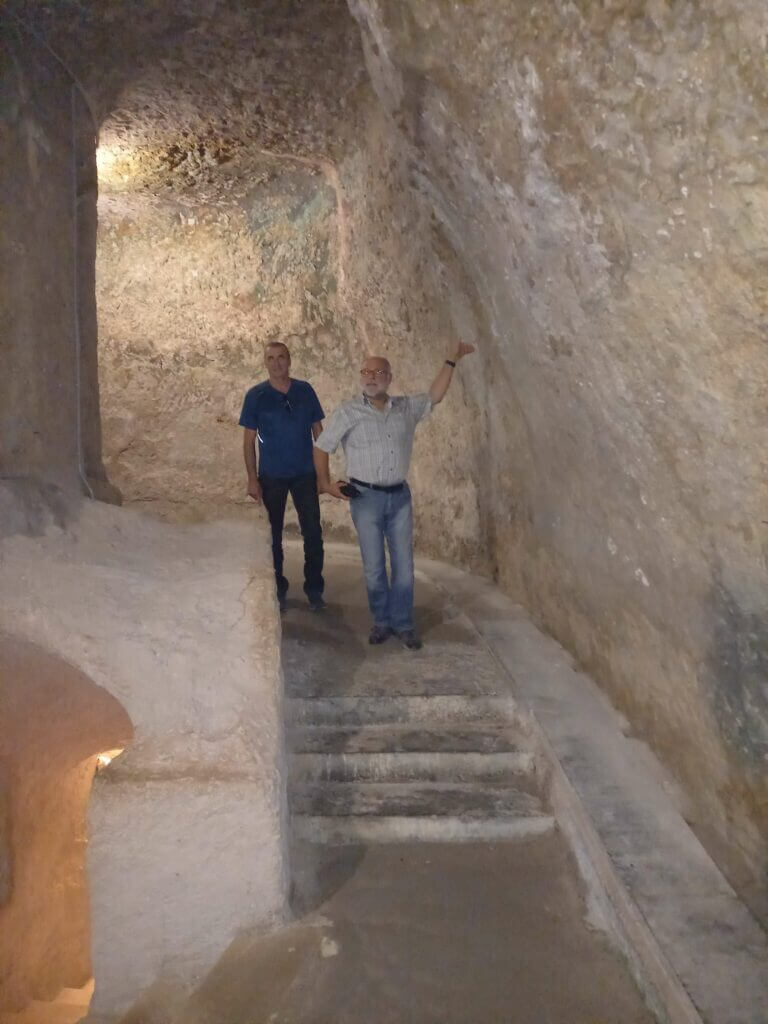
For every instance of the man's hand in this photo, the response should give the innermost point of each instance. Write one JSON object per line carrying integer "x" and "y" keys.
{"x": 464, "y": 349}
{"x": 332, "y": 488}
{"x": 324, "y": 484}
{"x": 254, "y": 491}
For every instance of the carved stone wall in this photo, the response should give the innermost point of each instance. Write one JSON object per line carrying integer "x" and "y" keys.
{"x": 600, "y": 170}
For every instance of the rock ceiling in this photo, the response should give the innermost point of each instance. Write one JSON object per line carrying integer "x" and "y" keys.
{"x": 182, "y": 89}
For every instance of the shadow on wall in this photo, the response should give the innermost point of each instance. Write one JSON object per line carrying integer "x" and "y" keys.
{"x": 54, "y": 724}
{"x": 734, "y": 675}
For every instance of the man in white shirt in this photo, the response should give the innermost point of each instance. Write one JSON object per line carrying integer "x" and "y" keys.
{"x": 376, "y": 433}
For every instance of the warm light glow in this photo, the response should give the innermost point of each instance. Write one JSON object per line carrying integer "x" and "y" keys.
{"x": 105, "y": 159}
{"x": 107, "y": 757}
{"x": 115, "y": 164}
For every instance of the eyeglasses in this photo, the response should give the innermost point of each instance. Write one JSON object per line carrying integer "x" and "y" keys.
{"x": 287, "y": 405}
{"x": 379, "y": 374}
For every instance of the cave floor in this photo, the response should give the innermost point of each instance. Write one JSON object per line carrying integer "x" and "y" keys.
{"x": 401, "y": 932}
{"x": 420, "y": 933}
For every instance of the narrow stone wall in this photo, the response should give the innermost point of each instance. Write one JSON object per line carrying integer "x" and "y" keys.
{"x": 186, "y": 828}
{"x": 48, "y": 428}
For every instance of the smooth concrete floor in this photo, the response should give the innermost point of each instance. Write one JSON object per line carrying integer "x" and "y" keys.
{"x": 431, "y": 934}
{"x": 476, "y": 933}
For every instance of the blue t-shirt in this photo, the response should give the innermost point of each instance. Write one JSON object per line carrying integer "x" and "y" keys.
{"x": 284, "y": 425}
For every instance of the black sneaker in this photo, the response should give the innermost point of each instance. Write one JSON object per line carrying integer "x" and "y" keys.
{"x": 379, "y": 634}
{"x": 409, "y": 639}
{"x": 282, "y": 602}
{"x": 316, "y": 602}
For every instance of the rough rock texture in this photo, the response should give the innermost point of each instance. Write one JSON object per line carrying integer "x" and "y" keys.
{"x": 187, "y": 297}
{"x": 186, "y": 834}
{"x": 309, "y": 254}
{"x": 179, "y": 625}
{"x": 405, "y": 295}
{"x": 49, "y": 426}
{"x": 586, "y": 195}
{"x": 208, "y": 251}
{"x": 600, "y": 168}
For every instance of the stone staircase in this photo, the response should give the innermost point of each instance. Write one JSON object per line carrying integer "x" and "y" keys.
{"x": 440, "y": 767}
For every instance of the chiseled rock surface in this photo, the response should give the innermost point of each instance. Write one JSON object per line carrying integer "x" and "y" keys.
{"x": 186, "y": 839}
{"x": 579, "y": 187}
{"x": 194, "y": 278}
{"x": 601, "y": 170}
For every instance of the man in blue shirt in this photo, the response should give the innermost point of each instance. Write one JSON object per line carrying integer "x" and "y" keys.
{"x": 282, "y": 417}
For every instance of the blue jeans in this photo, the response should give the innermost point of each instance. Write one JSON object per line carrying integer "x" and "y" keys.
{"x": 303, "y": 490}
{"x": 378, "y": 517}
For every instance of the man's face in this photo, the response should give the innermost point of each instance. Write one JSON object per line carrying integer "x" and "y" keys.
{"x": 375, "y": 377}
{"x": 278, "y": 361}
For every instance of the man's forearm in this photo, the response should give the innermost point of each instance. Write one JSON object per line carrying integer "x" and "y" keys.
{"x": 441, "y": 383}
{"x": 322, "y": 464}
{"x": 249, "y": 455}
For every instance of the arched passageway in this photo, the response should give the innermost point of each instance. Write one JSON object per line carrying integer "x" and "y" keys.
{"x": 55, "y": 726}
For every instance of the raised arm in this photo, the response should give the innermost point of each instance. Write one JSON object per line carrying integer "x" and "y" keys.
{"x": 442, "y": 381}
{"x": 251, "y": 464}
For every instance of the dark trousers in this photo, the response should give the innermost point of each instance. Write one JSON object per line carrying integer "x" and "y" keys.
{"x": 303, "y": 490}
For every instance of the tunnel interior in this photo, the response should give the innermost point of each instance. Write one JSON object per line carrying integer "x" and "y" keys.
{"x": 581, "y": 191}
{"x": 270, "y": 208}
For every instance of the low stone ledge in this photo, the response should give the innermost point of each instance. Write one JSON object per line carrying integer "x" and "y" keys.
{"x": 187, "y": 827}
{"x": 696, "y": 951}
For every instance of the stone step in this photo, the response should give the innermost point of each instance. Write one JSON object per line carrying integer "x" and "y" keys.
{"x": 354, "y": 829}
{"x": 411, "y": 766}
{"x": 483, "y": 738}
{"x": 437, "y": 709}
{"x": 405, "y": 799}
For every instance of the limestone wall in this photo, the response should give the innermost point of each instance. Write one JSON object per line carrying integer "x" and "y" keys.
{"x": 580, "y": 187}
{"x": 190, "y": 287}
{"x": 188, "y": 294}
{"x": 407, "y": 296}
{"x": 186, "y": 828}
{"x": 600, "y": 169}
{"x": 49, "y": 427}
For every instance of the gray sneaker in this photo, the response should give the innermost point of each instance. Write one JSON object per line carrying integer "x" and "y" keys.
{"x": 409, "y": 639}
